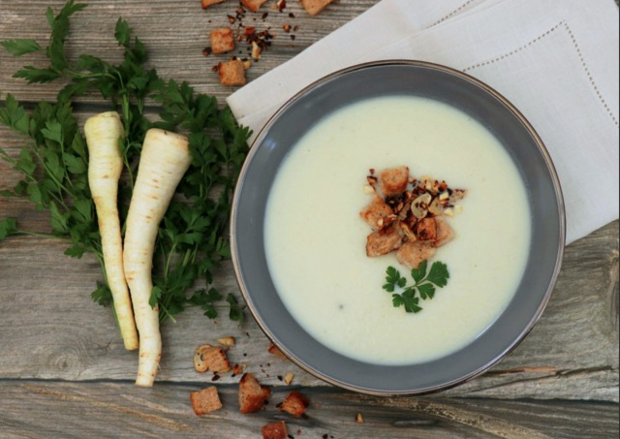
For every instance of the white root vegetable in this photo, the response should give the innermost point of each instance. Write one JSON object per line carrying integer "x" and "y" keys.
{"x": 104, "y": 170}
{"x": 165, "y": 159}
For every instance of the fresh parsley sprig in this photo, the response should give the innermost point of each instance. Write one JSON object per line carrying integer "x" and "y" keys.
{"x": 424, "y": 286}
{"x": 192, "y": 238}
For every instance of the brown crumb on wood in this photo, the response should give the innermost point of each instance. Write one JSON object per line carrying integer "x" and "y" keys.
{"x": 253, "y": 5}
{"x": 207, "y": 3}
{"x": 295, "y": 404}
{"x": 277, "y": 430}
{"x": 205, "y": 401}
{"x": 222, "y": 40}
{"x": 315, "y": 7}
{"x": 232, "y": 73}
{"x": 288, "y": 379}
{"x": 252, "y": 396}
{"x": 229, "y": 342}
{"x": 359, "y": 418}
{"x": 213, "y": 358}
{"x": 273, "y": 350}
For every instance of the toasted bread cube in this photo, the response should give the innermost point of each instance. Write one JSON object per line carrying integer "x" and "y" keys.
{"x": 205, "y": 401}
{"x": 273, "y": 350}
{"x": 213, "y": 358}
{"x": 222, "y": 40}
{"x": 384, "y": 242}
{"x": 295, "y": 404}
{"x": 445, "y": 234}
{"x": 277, "y": 430}
{"x": 232, "y": 73}
{"x": 253, "y": 5}
{"x": 426, "y": 230}
{"x": 413, "y": 254}
{"x": 252, "y": 395}
{"x": 207, "y": 3}
{"x": 394, "y": 181}
{"x": 376, "y": 213}
{"x": 315, "y": 7}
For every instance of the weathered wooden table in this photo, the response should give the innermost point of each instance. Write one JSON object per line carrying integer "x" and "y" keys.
{"x": 64, "y": 372}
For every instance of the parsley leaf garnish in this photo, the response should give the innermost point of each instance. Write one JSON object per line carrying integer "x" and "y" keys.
{"x": 424, "y": 286}
{"x": 193, "y": 237}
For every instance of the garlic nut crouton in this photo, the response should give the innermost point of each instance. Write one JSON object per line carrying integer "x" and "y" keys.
{"x": 412, "y": 254}
{"x": 232, "y": 73}
{"x": 384, "y": 242}
{"x": 253, "y": 5}
{"x": 295, "y": 404}
{"x": 207, "y": 3}
{"x": 277, "y": 430}
{"x": 213, "y": 358}
{"x": 426, "y": 230}
{"x": 222, "y": 40}
{"x": 445, "y": 234}
{"x": 315, "y": 7}
{"x": 376, "y": 213}
{"x": 394, "y": 181}
{"x": 252, "y": 395}
{"x": 205, "y": 401}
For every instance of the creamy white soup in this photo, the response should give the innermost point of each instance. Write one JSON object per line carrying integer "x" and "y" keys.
{"x": 315, "y": 239}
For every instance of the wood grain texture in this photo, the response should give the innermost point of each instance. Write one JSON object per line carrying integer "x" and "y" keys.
{"x": 119, "y": 410}
{"x": 50, "y": 330}
{"x": 572, "y": 353}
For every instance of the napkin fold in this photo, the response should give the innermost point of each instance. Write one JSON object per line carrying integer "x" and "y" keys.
{"x": 557, "y": 61}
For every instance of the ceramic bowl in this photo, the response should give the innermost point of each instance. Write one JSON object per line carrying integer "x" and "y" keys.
{"x": 408, "y": 78}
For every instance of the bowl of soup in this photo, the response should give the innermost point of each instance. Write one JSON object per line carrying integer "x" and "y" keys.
{"x": 397, "y": 228}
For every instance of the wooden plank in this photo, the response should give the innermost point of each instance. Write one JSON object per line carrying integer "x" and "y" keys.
{"x": 67, "y": 336}
{"x": 117, "y": 410}
{"x": 175, "y": 33}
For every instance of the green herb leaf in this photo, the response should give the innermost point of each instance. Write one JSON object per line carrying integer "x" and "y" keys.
{"x": 427, "y": 291}
{"x": 419, "y": 273}
{"x": 102, "y": 295}
{"x": 20, "y": 47}
{"x": 439, "y": 274}
{"x": 8, "y": 226}
{"x": 235, "y": 314}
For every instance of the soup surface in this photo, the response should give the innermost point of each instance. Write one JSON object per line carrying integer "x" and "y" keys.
{"x": 315, "y": 239}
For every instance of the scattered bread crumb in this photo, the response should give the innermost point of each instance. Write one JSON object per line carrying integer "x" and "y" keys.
{"x": 359, "y": 418}
{"x": 213, "y": 358}
{"x": 205, "y": 401}
{"x": 295, "y": 404}
{"x": 315, "y": 7}
{"x": 222, "y": 40}
{"x": 252, "y": 396}
{"x": 207, "y": 3}
{"x": 229, "y": 342}
{"x": 232, "y": 73}
{"x": 277, "y": 430}
{"x": 288, "y": 379}
{"x": 273, "y": 350}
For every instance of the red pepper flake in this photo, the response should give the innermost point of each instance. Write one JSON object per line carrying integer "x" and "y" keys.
{"x": 287, "y": 28}
{"x": 296, "y": 28}
{"x": 231, "y": 19}
{"x": 265, "y": 15}
{"x": 281, "y": 4}
{"x": 291, "y": 15}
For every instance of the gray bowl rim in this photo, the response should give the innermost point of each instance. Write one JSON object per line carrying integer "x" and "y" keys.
{"x": 552, "y": 172}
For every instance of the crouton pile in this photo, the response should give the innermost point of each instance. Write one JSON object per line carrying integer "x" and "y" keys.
{"x": 407, "y": 215}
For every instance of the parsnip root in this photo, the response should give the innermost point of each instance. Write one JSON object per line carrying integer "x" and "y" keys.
{"x": 104, "y": 170}
{"x": 165, "y": 159}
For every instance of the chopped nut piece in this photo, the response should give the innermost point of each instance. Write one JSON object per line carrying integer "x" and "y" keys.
{"x": 426, "y": 230}
{"x": 207, "y": 3}
{"x": 369, "y": 190}
{"x": 252, "y": 395}
{"x": 384, "y": 242}
{"x": 273, "y": 350}
{"x": 444, "y": 196}
{"x": 247, "y": 64}
{"x": 435, "y": 208}
{"x": 359, "y": 418}
{"x": 459, "y": 209}
{"x": 295, "y": 404}
{"x": 229, "y": 342}
{"x": 449, "y": 212}
{"x": 394, "y": 181}
{"x": 412, "y": 254}
{"x": 205, "y": 401}
{"x": 222, "y": 40}
{"x": 232, "y": 73}
{"x": 286, "y": 27}
{"x": 288, "y": 379}
{"x": 253, "y": 5}
{"x": 207, "y": 357}
{"x": 277, "y": 430}
{"x": 315, "y": 7}
{"x": 256, "y": 51}
{"x": 375, "y": 211}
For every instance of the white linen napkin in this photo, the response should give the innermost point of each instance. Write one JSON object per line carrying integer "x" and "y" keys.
{"x": 556, "y": 60}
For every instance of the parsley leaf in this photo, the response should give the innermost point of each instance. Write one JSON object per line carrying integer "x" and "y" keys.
{"x": 8, "y": 226}
{"x": 20, "y": 47}
{"x": 425, "y": 285}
